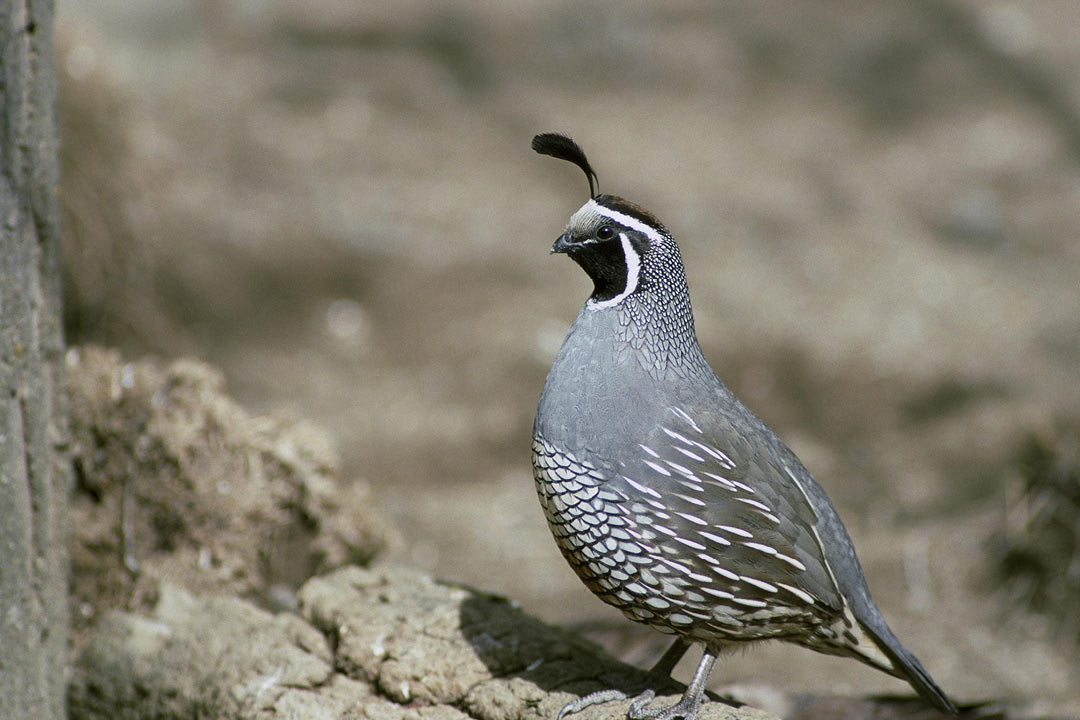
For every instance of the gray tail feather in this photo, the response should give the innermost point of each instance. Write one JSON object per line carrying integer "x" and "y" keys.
{"x": 907, "y": 667}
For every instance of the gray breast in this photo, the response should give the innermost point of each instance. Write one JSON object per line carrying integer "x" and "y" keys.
{"x": 674, "y": 535}
{"x": 669, "y": 499}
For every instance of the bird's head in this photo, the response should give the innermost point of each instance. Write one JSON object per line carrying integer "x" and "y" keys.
{"x": 621, "y": 246}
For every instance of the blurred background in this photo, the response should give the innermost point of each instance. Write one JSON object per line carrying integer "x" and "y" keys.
{"x": 336, "y": 203}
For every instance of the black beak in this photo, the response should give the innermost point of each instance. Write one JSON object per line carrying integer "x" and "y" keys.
{"x": 564, "y": 244}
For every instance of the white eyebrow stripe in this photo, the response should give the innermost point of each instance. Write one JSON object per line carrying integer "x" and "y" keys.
{"x": 623, "y": 219}
{"x": 633, "y": 272}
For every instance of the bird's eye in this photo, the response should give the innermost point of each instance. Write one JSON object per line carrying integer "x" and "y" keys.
{"x": 606, "y": 232}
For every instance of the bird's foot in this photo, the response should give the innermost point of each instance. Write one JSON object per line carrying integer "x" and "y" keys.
{"x": 686, "y": 708}
{"x": 595, "y": 698}
{"x": 659, "y": 674}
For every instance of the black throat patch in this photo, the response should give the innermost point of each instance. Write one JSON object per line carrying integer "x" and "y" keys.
{"x": 609, "y": 268}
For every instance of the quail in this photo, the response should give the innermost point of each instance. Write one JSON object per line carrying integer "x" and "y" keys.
{"x": 667, "y": 496}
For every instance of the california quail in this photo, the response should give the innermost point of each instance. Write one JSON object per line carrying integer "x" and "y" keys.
{"x": 667, "y": 496}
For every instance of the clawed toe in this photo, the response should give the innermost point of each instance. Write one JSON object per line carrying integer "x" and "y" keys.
{"x": 637, "y": 709}
{"x": 595, "y": 698}
{"x": 685, "y": 708}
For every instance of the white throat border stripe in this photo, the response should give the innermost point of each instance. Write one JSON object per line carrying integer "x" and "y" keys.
{"x": 626, "y": 220}
{"x": 633, "y": 270}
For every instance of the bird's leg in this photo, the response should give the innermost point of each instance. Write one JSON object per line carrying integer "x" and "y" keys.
{"x": 687, "y": 707}
{"x": 657, "y": 674}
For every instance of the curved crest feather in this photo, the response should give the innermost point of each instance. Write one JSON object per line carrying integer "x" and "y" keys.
{"x": 562, "y": 147}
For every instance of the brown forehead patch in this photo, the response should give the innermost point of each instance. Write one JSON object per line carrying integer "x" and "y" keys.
{"x": 618, "y": 204}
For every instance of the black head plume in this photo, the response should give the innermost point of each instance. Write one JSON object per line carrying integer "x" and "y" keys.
{"x": 563, "y": 148}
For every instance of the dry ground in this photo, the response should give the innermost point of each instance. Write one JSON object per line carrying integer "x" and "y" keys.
{"x": 335, "y": 202}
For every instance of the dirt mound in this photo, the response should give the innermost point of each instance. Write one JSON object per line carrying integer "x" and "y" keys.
{"x": 388, "y": 643}
{"x": 175, "y": 480}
